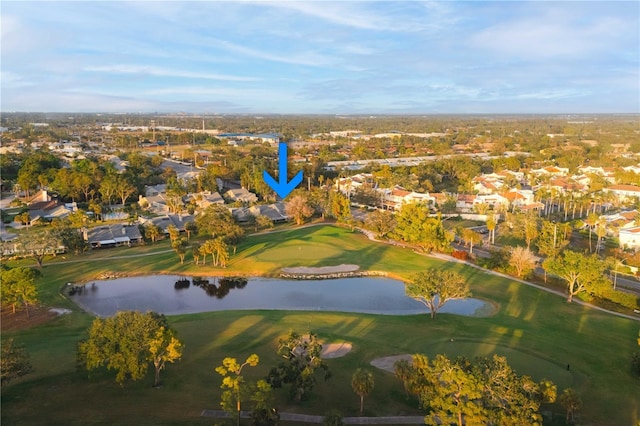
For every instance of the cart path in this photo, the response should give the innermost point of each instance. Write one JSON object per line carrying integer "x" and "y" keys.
{"x": 306, "y": 418}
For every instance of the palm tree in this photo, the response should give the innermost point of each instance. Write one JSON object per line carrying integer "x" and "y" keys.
{"x": 491, "y": 227}
{"x": 221, "y": 252}
{"x": 207, "y": 248}
{"x": 591, "y": 221}
{"x": 601, "y": 231}
{"x": 174, "y": 232}
{"x": 617, "y": 263}
{"x": 152, "y": 232}
{"x": 196, "y": 252}
{"x": 403, "y": 371}
{"x": 180, "y": 246}
{"x": 362, "y": 384}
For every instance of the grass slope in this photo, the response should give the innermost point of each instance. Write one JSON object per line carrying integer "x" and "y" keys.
{"x": 539, "y": 333}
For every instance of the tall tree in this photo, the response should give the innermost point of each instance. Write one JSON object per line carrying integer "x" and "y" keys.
{"x": 601, "y": 232}
{"x": 510, "y": 399}
{"x": 14, "y": 362}
{"x": 470, "y": 238}
{"x": 232, "y": 381}
{"x": 579, "y": 271}
{"x": 196, "y": 252}
{"x": 301, "y": 359}
{"x": 492, "y": 223}
{"x": 108, "y": 188}
{"x": 591, "y": 221}
{"x": 128, "y": 342}
{"x": 531, "y": 225}
{"x": 18, "y": 288}
{"x": 216, "y": 220}
{"x": 571, "y": 402}
{"x": 152, "y": 232}
{"x": 362, "y": 383}
{"x": 180, "y": 246}
{"x": 38, "y": 244}
{"x": 299, "y": 209}
{"x": 174, "y": 233}
{"x": 123, "y": 188}
{"x": 403, "y": 371}
{"x": 340, "y": 206}
{"x": 381, "y": 222}
{"x": 453, "y": 394}
{"x": 489, "y": 392}
{"x": 190, "y": 227}
{"x": 435, "y": 287}
{"x": 415, "y": 226}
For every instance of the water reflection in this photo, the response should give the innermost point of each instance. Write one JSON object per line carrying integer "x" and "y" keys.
{"x": 172, "y": 295}
{"x": 222, "y": 288}
{"x": 182, "y": 284}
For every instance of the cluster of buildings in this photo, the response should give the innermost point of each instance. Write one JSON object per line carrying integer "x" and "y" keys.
{"x": 532, "y": 189}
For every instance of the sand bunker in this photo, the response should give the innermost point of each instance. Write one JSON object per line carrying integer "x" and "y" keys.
{"x": 386, "y": 363}
{"x": 60, "y": 311}
{"x": 335, "y": 350}
{"x": 322, "y": 270}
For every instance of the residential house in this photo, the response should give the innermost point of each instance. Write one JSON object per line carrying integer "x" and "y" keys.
{"x": 629, "y": 238}
{"x": 624, "y": 192}
{"x": 394, "y": 199}
{"x": 465, "y": 202}
{"x": 155, "y": 203}
{"x": 519, "y": 197}
{"x": 113, "y": 235}
{"x": 550, "y": 171}
{"x": 606, "y": 172}
{"x": 536, "y": 206}
{"x": 154, "y": 190}
{"x": 635, "y": 169}
{"x": 163, "y": 222}
{"x": 42, "y": 207}
{"x": 155, "y": 199}
{"x": 241, "y": 214}
{"x": 619, "y": 221}
{"x": 276, "y": 212}
{"x": 565, "y": 185}
{"x": 204, "y": 199}
{"x": 242, "y": 195}
{"x": 486, "y": 184}
{"x": 491, "y": 200}
{"x": 347, "y": 185}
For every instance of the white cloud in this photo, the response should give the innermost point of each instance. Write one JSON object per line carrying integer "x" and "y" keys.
{"x": 200, "y": 91}
{"x": 11, "y": 80}
{"x": 554, "y": 34}
{"x": 164, "y": 72}
{"x": 296, "y": 58}
{"x": 361, "y": 15}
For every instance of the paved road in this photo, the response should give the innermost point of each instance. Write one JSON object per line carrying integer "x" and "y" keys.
{"x": 6, "y": 200}
{"x": 306, "y": 418}
{"x": 623, "y": 282}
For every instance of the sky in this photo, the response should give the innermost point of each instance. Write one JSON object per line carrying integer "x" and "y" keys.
{"x": 346, "y": 57}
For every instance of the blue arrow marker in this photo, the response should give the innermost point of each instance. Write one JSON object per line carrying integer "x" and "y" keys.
{"x": 282, "y": 188}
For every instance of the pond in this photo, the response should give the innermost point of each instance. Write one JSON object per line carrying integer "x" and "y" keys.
{"x": 172, "y": 295}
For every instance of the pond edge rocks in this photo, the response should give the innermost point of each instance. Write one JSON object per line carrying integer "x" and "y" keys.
{"x": 327, "y": 272}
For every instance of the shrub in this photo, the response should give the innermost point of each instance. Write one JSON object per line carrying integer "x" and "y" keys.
{"x": 460, "y": 254}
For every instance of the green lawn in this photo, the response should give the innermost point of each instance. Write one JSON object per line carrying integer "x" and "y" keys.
{"x": 538, "y": 332}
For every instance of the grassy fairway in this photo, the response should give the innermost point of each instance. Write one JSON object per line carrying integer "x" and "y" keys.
{"x": 539, "y": 333}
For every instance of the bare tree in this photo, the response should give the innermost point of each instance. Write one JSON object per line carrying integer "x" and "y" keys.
{"x": 522, "y": 260}
{"x": 299, "y": 209}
